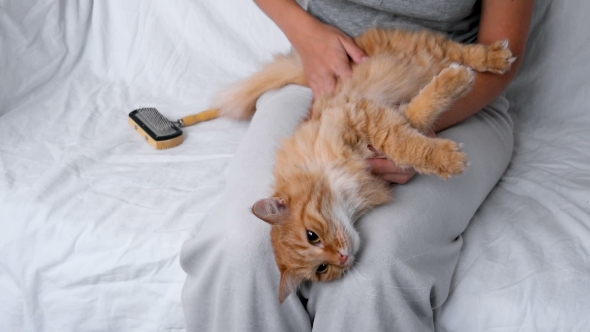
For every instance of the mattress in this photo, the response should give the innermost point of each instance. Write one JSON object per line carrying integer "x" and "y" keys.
{"x": 92, "y": 218}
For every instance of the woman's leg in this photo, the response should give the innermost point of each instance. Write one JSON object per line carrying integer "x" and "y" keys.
{"x": 409, "y": 248}
{"x": 407, "y": 258}
{"x": 233, "y": 282}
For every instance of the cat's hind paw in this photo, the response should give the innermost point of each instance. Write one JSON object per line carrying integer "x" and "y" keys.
{"x": 456, "y": 80}
{"x": 449, "y": 159}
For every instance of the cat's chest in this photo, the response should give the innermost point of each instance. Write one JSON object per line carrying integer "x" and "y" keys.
{"x": 337, "y": 141}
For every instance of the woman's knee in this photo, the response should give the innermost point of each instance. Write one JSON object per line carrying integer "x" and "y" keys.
{"x": 247, "y": 243}
{"x": 233, "y": 239}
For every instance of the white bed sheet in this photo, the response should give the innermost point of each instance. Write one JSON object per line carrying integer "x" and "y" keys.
{"x": 92, "y": 218}
{"x": 525, "y": 263}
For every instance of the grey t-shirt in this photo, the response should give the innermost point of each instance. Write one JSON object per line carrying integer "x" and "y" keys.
{"x": 457, "y": 18}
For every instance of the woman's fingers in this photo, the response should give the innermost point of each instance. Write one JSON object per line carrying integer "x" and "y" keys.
{"x": 322, "y": 84}
{"x": 386, "y": 166}
{"x": 397, "y": 178}
{"x": 326, "y": 52}
{"x": 322, "y": 73}
{"x": 356, "y": 54}
{"x": 343, "y": 68}
{"x": 389, "y": 171}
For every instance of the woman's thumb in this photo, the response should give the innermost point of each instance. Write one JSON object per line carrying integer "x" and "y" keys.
{"x": 356, "y": 54}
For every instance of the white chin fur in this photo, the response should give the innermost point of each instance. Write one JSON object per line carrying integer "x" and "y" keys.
{"x": 355, "y": 242}
{"x": 346, "y": 202}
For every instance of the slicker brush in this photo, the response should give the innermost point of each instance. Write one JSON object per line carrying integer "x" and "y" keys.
{"x": 162, "y": 133}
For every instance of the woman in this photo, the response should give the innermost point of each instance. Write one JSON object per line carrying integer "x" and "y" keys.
{"x": 409, "y": 247}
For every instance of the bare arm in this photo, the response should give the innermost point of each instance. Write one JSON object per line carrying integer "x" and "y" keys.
{"x": 500, "y": 19}
{"x": 324, "y": 50}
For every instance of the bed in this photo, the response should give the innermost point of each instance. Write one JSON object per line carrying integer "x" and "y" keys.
{"x": 92, "y": 218}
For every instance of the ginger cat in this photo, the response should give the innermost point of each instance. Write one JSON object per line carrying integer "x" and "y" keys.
{"x": 322, "y": 182}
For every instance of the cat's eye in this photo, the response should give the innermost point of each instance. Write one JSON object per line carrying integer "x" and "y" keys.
{"x": 322, "y": 269}
{"x": 312, "y": 237}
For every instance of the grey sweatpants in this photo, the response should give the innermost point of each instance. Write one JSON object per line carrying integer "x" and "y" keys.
{"x": 409, "y": 247}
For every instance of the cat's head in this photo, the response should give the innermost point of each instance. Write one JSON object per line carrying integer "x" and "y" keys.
{"x": 311, "y": 238}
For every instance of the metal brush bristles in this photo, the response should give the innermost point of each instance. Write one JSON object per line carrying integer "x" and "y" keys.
{"x": 156, "y": 121}
{"x": 160, "y": 132}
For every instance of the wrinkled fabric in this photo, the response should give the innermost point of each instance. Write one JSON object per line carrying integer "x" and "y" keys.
{"x": 409, "y": 247}
{"x": 92, "y": 218}
{"x": 525, "y": 260}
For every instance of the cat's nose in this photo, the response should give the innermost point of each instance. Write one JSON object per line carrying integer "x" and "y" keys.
{"x": 343, "y": 258}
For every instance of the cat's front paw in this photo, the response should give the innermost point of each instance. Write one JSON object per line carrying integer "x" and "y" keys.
{"x": 498, "y": 57}
{"x": 449, "y": 159}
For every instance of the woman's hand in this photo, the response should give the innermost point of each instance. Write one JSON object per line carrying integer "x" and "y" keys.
{"x": 325, "y": 52}
{"x": 388, "y": 170}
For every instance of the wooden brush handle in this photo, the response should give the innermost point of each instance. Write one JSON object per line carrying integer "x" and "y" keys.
{"x": 200, "y": 117}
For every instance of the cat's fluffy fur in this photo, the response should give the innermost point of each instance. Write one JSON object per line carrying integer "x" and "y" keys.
{"x": 322, "y": 182}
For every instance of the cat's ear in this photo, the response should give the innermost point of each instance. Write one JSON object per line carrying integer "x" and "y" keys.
{"x": 272, "y": 210}
{"x": 289, "y": 283}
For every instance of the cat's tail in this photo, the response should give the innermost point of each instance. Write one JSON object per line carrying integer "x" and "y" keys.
{"x": 238, "y": 101}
